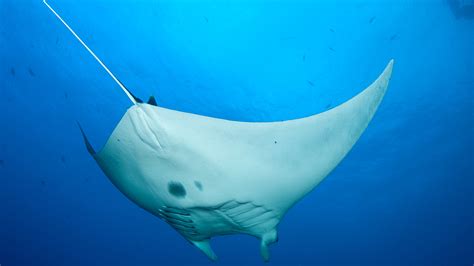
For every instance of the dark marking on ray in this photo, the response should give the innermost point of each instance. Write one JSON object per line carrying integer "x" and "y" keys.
{"x": 310, "y": 83}
{"x": 198, "y": 185}
{"x": 31, "y": 72}
{"x": 276, "y": 142}
{"x": 176, "y": 189}
{"x": 12, "y": 71}
{"x": 118, "y": 140}
{"x": 372, "y": 19}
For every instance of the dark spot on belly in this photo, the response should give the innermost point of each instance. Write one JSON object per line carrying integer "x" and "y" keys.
{"x": 276, "y": 142}
{"x": 198, "y": 185}
{"x": 176, "y": 189}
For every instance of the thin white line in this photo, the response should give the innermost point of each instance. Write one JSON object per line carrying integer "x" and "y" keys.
{"x": 92, "y": 53}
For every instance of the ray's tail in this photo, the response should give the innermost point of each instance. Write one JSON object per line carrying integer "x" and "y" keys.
{"x": 127, "y": 92}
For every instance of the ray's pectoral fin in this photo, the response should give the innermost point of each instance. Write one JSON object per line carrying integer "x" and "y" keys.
{"x": 205, "y": 247}
{"x": 267, "y": 239}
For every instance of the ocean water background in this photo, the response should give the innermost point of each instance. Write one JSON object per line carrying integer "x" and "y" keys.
{"x": 403, "y": 195}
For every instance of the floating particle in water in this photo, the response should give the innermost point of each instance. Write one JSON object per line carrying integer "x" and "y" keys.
{"x": 372, "y": 19}
{"x": 31, "y": 72}
{"x": 287, "y": 38}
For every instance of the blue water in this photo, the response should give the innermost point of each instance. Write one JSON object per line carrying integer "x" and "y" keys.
{"x": 403, "y": 195}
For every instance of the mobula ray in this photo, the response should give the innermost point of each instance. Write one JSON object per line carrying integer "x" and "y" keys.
{"x": 207, "y": 177}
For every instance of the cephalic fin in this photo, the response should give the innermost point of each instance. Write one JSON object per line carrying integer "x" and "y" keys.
{"x": 89, "y": 147}
{"x": 206, "y": 248}
{"x": 152, "y": 101}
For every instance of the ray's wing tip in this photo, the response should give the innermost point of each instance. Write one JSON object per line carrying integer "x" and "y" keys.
{"x": 389, "y": 68}
{"x": 381, "y": 83}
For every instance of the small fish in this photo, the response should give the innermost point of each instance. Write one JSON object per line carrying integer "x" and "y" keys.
{"x": 65, "y": 95}
{"x": 304, "y": 57}
{"x": 332, "y": 49}
{"x": 63, "y": 159}
{"x": 332, "y": 30}
{"x": 30, "y": 71}
{"x": 207, "y": 20}
{"x": 12, "y": 71}
{"x": 372, "y": 19}
{"x": 310, "y": 83}
{"x": 394, "y": 37}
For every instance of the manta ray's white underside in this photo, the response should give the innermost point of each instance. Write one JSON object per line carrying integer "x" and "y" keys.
{"x": 207, "y": 177}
